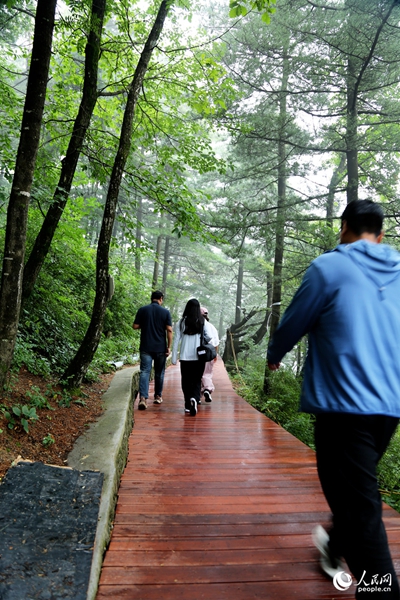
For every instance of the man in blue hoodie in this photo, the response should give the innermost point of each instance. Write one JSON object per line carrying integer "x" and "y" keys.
{"x": 349, "y": 305}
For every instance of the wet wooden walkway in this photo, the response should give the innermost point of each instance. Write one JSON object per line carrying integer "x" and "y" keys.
{"x": 218, "y": 507}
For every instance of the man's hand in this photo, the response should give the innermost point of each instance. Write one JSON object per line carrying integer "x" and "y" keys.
{"x": 169, "y": 339}
{"x": 273, "y": 366}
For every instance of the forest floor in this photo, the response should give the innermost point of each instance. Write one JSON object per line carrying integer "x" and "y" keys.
{"x": 50, "y": 438}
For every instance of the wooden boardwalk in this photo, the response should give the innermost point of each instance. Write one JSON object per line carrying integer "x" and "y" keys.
{"x": 218, "y": 507}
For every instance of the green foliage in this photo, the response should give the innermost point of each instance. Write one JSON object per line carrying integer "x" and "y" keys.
{"x": 113, "y": 349}
{"x": 9, "y": 416}
{"x": 80, "y": 402}
{"x": 22, "y": 414}
{"x": 239, "y": 9}
{"x": 55, "y": 318}
{"x": 129, "y": 293}
{"x": 25, "y": 354}
{"x": 37, "y": 399}
{"x": 283, "y": 406}
{"x": 48, "y": 440}
{"x": 65, "y": 400}
{"x": 389, "y": 473}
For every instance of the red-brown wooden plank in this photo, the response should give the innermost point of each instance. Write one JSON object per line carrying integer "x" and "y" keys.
{"x": 218, "y": 507}
{"x": 274, "y": 590}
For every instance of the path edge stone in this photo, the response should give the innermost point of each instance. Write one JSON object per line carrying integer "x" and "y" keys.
{"x": 104, "y": 448}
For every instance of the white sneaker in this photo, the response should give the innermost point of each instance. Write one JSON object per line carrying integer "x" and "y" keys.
{"x": 142, "y": 403}
{"x": 331, "y": 565}
{"x": 193, "y": 407}
{"x": 207, "y": 396}
{"x": 320, "y": 538}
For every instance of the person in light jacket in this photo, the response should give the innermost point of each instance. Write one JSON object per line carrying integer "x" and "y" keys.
{"x": 187, "y": 336}
{"x": 207, "y": 384}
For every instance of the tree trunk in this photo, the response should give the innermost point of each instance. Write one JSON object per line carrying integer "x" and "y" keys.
{"x": 234, "y": 344}
{"x": 78, "y": 367}
{"x": 154, "y": 283}
{"x": 334, "y": 182}
{"x": 221, "y": 324}
{"x": 281, "y": 206}
{"x": 263, "y": 329}
{"x": 351, "y": 132}
{"x": 165, "y": 266}
{"x": 68, "y": 164}
{"x": 139, "y": 217}
{"x": 239, "y": 291}
{"x": 235, "y": 333}
{"x": 17, "y": 214}
{"x": 355, "y": 72}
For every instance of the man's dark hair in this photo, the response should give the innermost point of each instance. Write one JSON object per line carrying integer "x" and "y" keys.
{"x": 157, "y": 295}
{"x": 363, "y": 216}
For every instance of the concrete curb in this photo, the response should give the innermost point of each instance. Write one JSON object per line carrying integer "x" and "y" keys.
{"x": 104, "y": 448}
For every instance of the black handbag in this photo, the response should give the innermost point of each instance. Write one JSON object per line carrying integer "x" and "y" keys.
{"x": 205, "y": 352}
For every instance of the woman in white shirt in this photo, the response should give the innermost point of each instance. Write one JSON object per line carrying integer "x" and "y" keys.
{"x": 187, "y": 335}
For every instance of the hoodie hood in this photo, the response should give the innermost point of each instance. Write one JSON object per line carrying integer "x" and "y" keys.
{"x": 379, "y": 262}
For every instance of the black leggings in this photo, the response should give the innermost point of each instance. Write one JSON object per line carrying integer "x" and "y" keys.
{"x": 191, "y": 374}
{"x": 349, "y": 448}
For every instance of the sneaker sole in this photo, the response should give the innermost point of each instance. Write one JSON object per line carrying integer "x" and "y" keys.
{"x": 320, "y": 540}
{"x": 193, "y": 408}
{"x": 330, "y": 571}
{"x": 142, "y": 407}
{"x": 157, "y": 402}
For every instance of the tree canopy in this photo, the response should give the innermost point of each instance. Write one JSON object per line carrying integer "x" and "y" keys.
{"x": 206, "y": 150}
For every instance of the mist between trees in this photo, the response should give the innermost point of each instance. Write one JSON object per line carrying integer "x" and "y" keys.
{"x": 198, "y": 149}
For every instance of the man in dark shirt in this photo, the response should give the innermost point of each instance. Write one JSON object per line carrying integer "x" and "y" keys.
{"x": 155, "y": 325}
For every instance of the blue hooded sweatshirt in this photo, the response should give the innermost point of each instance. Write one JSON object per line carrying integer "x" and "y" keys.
{"x": 349, "y": 304}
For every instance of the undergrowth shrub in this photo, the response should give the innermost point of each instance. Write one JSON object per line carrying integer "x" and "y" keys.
{"x": 112, "y": 349}
{"x": 389, "y": 473}
{"x": 55, "y": 318}
{"x": 24, "y": 354}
